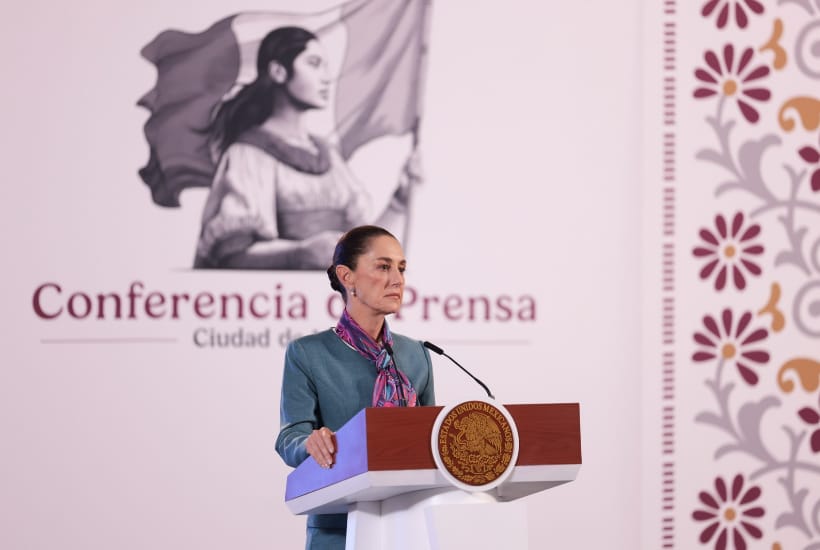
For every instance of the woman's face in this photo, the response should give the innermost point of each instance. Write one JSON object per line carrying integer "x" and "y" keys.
{"x": 378, "y": 278}
{"x": 309, "y": 84}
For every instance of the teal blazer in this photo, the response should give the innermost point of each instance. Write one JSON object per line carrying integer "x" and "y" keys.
{"x": 326, "y": 383}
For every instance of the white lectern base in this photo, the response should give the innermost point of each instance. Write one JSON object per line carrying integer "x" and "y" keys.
{"x": 437, "y": 519}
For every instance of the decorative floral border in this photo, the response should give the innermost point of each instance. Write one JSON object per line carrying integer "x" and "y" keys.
{"x": 759, "y": 414}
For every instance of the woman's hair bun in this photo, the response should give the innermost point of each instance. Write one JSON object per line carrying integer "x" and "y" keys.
{"x": 335, "y": 284}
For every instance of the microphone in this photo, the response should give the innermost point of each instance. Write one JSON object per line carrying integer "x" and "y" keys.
{"x": 399, "y": 385}
{"x": 436, "y": 349}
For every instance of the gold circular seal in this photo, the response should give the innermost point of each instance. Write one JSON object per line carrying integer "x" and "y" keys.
{"x": 475, "y": 442}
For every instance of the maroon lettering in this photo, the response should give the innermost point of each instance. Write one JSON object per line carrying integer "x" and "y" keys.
{"x": 101, "y": 299}
{"x": 154, "y": 301}
{"x": 252, "y": 306}
{"x": 225, "y": 298}
{"x": 72, "y": 310}
{"x": 479, "y": 300}
{"x": 298, "y": 309}
{"x": 277, "y": 301}
{"x": 175, "y": 298}
{"x": 527, "y": 311}
{"x": 202, "y": 305}
{"x": 36, "y": 303}
{"x": 425, "y": 307}
{"x": 505, "y": 311}
{"x": 132, "y": 298}
{"x": 49, "y": 301}
{"x": 452, "y": 307}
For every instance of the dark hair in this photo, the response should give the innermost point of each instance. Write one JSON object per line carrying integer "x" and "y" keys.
{"x": 253, "y": 104}
{"x": 351, "y": 245}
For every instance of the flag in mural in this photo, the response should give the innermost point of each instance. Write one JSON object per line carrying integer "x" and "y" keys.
{"x": 378, "y": 85}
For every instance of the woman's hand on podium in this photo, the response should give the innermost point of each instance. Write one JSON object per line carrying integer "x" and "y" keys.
{"x": 321, "y": 446}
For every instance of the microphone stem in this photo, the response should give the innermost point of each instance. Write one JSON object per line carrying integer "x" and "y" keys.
{"x": 480, "y": 383}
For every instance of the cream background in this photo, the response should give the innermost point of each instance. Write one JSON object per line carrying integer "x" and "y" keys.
{"x": 531, "y": 149}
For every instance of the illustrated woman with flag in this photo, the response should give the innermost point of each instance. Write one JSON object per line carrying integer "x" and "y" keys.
{"x": 229, "y": 110}
{"x": 281, "y": 197}
{"x": 332, "y": 375}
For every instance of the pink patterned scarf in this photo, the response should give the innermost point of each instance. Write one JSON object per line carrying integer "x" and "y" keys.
{"x": 392, "y": 386}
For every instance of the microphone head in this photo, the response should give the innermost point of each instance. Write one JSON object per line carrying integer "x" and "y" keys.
{"x": 432, "y": 347}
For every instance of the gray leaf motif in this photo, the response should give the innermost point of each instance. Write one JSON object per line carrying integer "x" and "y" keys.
{"x": 722, "y": 394}
{"x": 707, "y": 417}
{"x": 749, "y": 438}
{"x": 723, "y": 157}
{"x": 710, "y": 155}
{"x": 792, "y": 256}
{"x": 750, "y": 157}
{"x": 794, "y": 517}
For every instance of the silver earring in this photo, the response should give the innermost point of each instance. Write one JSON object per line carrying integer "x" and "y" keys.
{"x": 353, "y": 291}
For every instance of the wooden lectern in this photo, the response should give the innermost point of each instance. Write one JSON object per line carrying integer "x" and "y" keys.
{"x": 386, "y": 478}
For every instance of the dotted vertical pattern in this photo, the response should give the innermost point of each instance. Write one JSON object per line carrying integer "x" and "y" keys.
{"x": 668, "y": 279}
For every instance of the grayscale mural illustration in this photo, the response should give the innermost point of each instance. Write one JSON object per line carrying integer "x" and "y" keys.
{"x": 266, "y": 110}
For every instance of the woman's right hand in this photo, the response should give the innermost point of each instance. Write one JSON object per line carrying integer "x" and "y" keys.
{"x": 320, "y": 445}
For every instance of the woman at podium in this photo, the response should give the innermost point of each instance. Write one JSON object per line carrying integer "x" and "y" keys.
{"x": 332, "y": 375}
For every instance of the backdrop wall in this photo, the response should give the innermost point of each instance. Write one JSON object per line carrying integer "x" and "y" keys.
{"x": 137, "y": 432}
